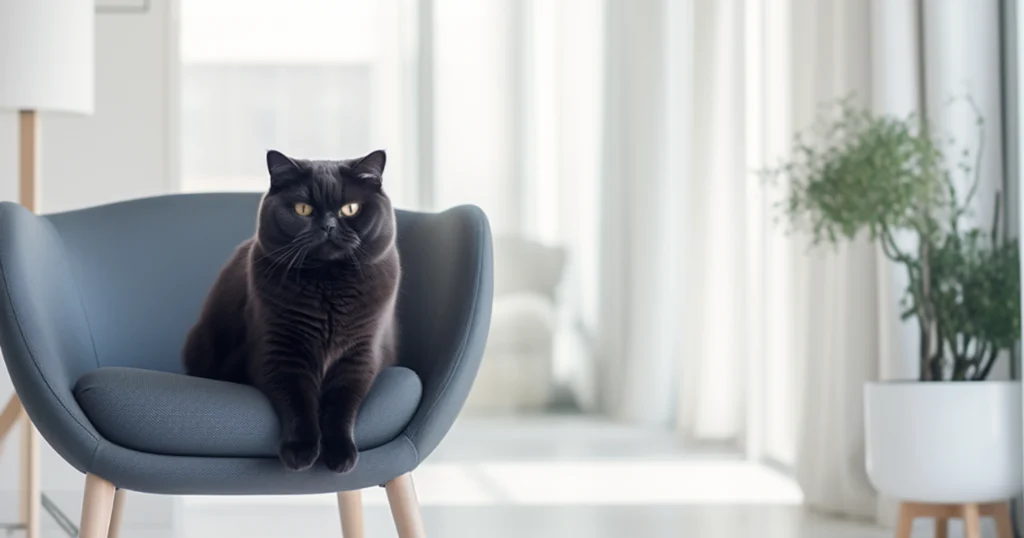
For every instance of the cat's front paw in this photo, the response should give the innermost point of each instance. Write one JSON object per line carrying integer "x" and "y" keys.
{"x": 299, "y": 454}
{"x": 340, "y": 454}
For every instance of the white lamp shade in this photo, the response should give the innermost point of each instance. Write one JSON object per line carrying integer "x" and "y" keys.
{"x": 46, "y": 55}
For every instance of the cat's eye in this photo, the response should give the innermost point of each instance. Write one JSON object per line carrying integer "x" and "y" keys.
{"x": 349, "y": 210}
{"x": 303, "y": 209}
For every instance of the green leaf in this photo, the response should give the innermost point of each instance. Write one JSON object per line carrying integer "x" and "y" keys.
{"x": 854, "y": 172}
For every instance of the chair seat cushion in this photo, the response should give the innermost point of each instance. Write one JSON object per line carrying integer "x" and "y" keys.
{"x": 179, "y": 415}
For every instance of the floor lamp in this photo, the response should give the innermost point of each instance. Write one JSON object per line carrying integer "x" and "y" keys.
{"x": 46, "y": 65}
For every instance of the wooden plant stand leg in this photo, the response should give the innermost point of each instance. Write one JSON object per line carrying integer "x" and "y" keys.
{"x": 1000, "y": 512}
{"x": 971, "y": 513}
{"x": 906, "y": 522}
{"x": 941, "y": 513}
{"x": 972, "y": 520}
{"x": 941, "y": 527}
{"x": 350, "y": 508}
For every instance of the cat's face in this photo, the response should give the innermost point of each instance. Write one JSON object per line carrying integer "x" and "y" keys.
{"x": 325, "y": 211}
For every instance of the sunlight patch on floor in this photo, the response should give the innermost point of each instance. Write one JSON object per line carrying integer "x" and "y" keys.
{"x": 575, "y": 483}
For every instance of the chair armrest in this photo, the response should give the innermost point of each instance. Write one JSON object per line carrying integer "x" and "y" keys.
{"x": 444, "y": 313}
{"x": 44, "y": 333}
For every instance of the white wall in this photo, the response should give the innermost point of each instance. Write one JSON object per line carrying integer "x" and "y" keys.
{"x": 126, "y": 149}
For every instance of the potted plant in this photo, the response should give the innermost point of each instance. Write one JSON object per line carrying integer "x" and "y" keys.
{"x": 951, "y": 436}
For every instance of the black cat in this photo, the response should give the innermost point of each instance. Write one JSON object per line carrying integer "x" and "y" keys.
{"x": 304, "y": 310}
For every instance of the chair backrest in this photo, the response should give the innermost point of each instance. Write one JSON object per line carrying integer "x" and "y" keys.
{"x": 143, "y": 268}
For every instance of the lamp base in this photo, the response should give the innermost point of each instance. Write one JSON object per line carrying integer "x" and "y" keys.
{"x": 31, "y": 496}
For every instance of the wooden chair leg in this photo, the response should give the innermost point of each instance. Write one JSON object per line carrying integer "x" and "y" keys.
{"x": 350, "y": 508}
{"x": 117, "y": 513}
{"x": 972, "y": 520}
{"x": 405, "y": 508}
{"x": 97, "y": 507}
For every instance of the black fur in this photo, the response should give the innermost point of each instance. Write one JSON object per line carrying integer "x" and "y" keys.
{"x": 304, "y": 310}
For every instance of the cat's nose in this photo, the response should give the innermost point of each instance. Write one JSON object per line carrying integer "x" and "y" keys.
{"x": 329, "y": 225}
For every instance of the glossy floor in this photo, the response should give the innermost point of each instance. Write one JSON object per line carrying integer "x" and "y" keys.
{"x": 540, "y": 478}
{"x": 255, "y": 520}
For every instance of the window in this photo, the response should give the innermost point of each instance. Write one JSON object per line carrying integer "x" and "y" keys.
{"x": 511, "y": 121}
{"x": 311, "y": 78}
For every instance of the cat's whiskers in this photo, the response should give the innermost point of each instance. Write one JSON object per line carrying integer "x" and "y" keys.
{"x": 292, "y": 259}
{"x": 273, "y": 252}
{"x": 279, "y": 261}
{"x": 304, "y": 243}
{"x": 358, "y": 252}
{"x": 302, "y": 259}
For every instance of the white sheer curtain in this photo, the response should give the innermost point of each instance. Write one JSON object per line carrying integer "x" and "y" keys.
{"x": 632, "y": 130}
{"x": 779, "y": 338}
{"x": 517, "y": 92}
{"x": 638, "y": 321}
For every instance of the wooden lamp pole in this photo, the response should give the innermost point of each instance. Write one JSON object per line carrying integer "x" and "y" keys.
{"x": 14, "y": 413}
{"x": 50, "y": 69}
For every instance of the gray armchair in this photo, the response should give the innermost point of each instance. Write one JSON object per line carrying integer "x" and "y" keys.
{"x": 95, "y": 307}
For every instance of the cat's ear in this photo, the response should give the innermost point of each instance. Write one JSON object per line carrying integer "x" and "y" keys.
{"x": 371, "y": 167}
{"x": 281, "y": 167}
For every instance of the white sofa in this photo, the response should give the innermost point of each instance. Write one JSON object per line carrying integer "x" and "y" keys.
{"x": 516, "y": 372}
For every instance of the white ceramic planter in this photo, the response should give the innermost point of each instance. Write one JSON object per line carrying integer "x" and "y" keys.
{"x": 944, "y": 442}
